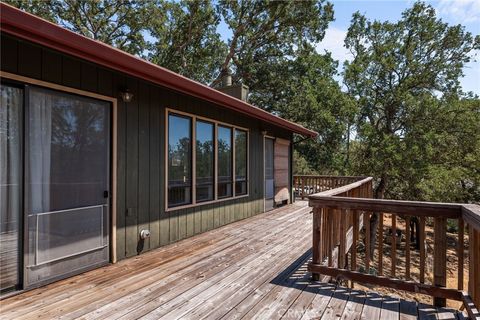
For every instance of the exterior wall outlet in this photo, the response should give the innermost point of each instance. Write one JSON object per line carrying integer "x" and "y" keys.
{"x": 144, "y": 234}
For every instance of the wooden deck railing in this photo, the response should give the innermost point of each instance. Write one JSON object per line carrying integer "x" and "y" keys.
{"x": 305, "y": 185}
{"x": 339, "y": 215}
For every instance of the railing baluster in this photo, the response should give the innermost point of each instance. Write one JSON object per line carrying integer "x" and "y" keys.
{"x": 325, "y": 229}
{"x": 440, "y": 257}
{"x": 330, "y": 235}
{"x": 460, "y": 252}
{"x": 366, "y": 224}
{"x": 303, "y": 188}
{"x": 474, "y": 264}
{"x": 354, "y": 240}
{"x": 316, "y": 239}
{"x": 343, "y": 235}
{"x": 470, "y": 260}
{"x": 394, "y": 246}
{"x": 407, "y": 247}
{"x": 380, "y": 244}
{"x": 421, "y": 240}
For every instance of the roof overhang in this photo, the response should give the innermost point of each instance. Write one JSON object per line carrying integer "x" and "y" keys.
{"x": 34, "y": 29}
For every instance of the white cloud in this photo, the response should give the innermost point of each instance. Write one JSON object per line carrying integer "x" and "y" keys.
{"x": 460, "y": 11}
{"x": 333, "y": 42}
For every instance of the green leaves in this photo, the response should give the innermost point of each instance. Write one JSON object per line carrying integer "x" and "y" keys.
{"x": 118, "y": 23}
{"x": 404, "y": 78}
{"x": 265, "y": 33}
{"x": 186, "y": 38}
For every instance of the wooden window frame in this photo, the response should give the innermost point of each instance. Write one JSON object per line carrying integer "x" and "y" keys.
{"x": 232, "y": 160}
{"x": 247, "y": 172}
{"x": 216, "y": 123}
{"x": 194, "y": 156}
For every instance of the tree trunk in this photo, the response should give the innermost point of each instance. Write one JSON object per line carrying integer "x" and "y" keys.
{"x": 347, "y": 157}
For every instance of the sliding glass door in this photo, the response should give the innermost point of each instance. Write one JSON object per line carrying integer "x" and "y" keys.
{"x": 67, "y": 184}
{"x": 11, "y": 119}
{"x": 54, "y": 185}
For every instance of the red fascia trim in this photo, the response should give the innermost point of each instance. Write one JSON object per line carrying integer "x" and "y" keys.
{"x": 37, "y": 30}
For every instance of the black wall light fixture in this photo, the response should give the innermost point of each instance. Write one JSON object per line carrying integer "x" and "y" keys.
{"x": 126, "y": 95}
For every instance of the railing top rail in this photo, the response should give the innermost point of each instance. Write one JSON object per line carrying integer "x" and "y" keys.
{"x": 417, "y": 208}
{"x": 328, "y": 176}
{"x": 335, "y": 199}
{"x": 471, "y": 215}
{"x": 343, "y": 189}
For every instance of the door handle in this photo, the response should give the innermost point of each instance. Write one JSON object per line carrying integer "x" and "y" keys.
{"x": 105, "y": 194}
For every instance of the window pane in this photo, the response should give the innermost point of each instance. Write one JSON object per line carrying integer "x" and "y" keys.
{"x": 224, "y": 162}
{"x": 179, "y": 160}
{"x": 204, "y": 157}
{"x": 68, "y": 151}
{"x": 11, "y": 105}
{"x": 240, "y": 162}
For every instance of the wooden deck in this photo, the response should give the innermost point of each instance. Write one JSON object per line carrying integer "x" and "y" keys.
{"x": 254, "y": 268}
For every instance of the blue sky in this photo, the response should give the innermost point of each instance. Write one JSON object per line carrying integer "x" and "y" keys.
{"x": 465, "y": 12}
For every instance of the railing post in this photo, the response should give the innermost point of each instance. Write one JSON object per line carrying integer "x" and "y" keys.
{"x": 366, "y": 225}
{"x": 317, "y": 238}
{"x": 380, "y": 244}
{"x": 343, "y": 241}
{"x": 421, "y": 240}
{"x": 440, "y": 257}
{"x": 393, "y": 251}
{"x": 460, "y": 252}
{"x": 474, "y": 264}
{"x": 407, "y": 247}
{"x": 329, "y": 236}
{"x": 303, "y": 187}
{"x": 354, "y": 240}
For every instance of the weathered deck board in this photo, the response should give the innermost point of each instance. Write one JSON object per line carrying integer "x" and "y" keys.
{"x": 254, "y": 268}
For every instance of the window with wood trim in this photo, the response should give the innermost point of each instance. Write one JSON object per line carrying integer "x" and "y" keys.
{"x": 241, "y": 149}
{"x": 205, "y": 166}
{"x": 225, "y": 176}
{"x": 179, "y": 160}
{"x": 214, "y": 168}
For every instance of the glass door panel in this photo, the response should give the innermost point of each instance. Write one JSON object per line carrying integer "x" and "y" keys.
{"x": 11, "y": 106}
{"x": 67, "y": 183}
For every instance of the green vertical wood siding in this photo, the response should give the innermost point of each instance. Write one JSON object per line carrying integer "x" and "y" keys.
{"x": 141, "y": 147}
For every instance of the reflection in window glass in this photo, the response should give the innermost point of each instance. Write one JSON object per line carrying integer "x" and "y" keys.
{"x": 11, "y": 105}
{"x": 204, "y": 161}
{"x": 179, "y": 160}
{"x": 224, "y": 140}
{"x": 68, "y": 151}
{"x": 240, "y": 162}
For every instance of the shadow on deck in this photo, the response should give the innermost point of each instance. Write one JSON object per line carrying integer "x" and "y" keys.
{"x": 254, "y": 268}
{"x": 318, "y": 300}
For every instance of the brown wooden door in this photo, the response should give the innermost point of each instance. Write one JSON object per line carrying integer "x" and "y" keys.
{"x": 281, "y": 172}
{"x": 269, "y": 174}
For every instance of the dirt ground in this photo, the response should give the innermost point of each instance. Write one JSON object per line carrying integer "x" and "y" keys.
{"x": 452, "y": 262}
